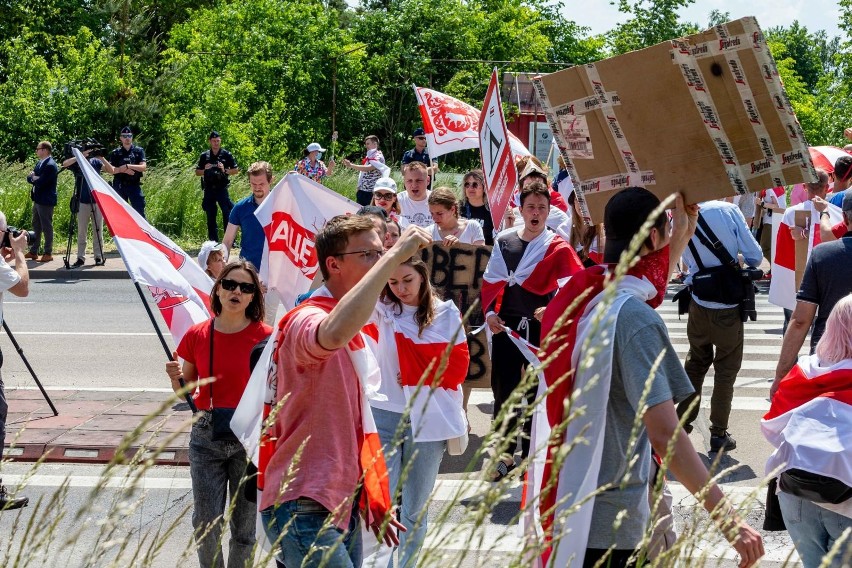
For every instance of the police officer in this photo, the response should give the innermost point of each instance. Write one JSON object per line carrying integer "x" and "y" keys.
{"x": 420, "y": 153}
{"x": 214, "y": 167}
{"x": 128, "y": 162}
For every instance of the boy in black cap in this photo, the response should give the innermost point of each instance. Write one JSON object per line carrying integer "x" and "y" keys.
{"x": 214, "y": 167}
{"x": 420, "y": 153}
{"x": 128, "y": 163}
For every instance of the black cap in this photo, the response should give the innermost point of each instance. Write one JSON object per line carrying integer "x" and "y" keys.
{"x": 418, "y": 132}
{"x": 213, "y": 134}
{"x": 126, "y": 130}
{"x": 624, "y": 215}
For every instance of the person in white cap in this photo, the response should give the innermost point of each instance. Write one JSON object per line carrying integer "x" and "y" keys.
{"x": 211, "y": 259}
{"x": 384, "y": 196}
{"x": 311, "y": 166}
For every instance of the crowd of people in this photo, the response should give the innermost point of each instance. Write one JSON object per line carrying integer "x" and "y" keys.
{"x": 388, "y": 356}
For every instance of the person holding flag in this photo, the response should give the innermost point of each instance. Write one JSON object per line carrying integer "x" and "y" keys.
{"x": 323, "y": 443}
{"x": 423, "y": 390}
{"x": 370, "y": 170}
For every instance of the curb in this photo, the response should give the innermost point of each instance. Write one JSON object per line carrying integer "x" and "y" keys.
{"x": 50, "y": 453}
{"x": 77, "y": 274}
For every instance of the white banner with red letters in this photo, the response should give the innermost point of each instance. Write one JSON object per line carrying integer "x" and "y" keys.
{"x": 180, "y": 288}
{"x": 292, "y": 215}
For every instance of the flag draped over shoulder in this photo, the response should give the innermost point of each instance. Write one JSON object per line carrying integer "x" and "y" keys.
{"x": 782, "y": 288}
{"x": 291, "y": 216}
{"x": 810, "y": 420}
{"x": 180, "y": 288}
{"x": 452, "y": 125}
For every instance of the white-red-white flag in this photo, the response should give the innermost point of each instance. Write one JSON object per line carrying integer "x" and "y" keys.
{"x": 292, "y": 214}
{"x": 452, "y": 125}
{"x": 181, "y": 289}
{"x": 498, "y": 163}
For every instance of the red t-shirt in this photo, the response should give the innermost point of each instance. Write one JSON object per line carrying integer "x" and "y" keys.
{"x": 231, "y": 353}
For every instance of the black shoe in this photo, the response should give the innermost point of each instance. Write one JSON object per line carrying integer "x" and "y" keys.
{"x": 724, "y": 442}
{"x": 100, "y": 262}
{"x": 8, "y": 503}
{"x": 78, "y": 264}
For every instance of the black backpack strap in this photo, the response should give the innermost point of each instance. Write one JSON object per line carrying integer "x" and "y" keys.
{"x": 695, "y": 255}
{"x": 712, "y": 243}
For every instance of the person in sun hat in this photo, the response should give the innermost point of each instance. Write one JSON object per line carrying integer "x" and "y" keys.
{"x": 311, "y": 166}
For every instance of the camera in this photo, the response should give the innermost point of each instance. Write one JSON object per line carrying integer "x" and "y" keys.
{"x": 751, "y": 273}
{"x": 84, "y": 144}
{"x": 14, "y": 232}
{"x": 748, "y": 308}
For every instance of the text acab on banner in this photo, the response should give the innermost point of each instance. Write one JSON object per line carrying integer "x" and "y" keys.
{"x": 498, "y": 164}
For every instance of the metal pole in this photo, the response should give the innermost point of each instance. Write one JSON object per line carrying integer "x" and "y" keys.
{"x": 29, "y": 367}
{"x": 191, "y": 404}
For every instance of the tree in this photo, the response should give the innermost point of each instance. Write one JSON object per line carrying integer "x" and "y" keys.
{"x": 651, "y": 22}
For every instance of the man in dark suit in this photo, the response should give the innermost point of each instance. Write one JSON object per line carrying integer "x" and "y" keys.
{"x": 43, "y": 193}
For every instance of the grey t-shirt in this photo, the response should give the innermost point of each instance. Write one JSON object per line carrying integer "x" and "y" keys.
{"x": 640, "y": 336}
{"x": 827, "y": 279}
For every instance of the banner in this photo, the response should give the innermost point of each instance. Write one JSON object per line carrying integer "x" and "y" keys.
{"x": 452, "y": 125}
{"x": 292, "y": 214}
{"x": 180, "y": 288}
{"x": 498, "y": 164}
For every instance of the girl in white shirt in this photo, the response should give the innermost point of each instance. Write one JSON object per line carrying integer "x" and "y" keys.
{"x": 448, "y": 227}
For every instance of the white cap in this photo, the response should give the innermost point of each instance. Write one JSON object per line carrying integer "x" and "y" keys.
{"x": 206, "y": 248}
{"x": 314, "y": 147}
{"x": 385, "y": 184}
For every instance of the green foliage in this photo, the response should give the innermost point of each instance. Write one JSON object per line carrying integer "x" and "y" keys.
{"x": 651, "y": 22}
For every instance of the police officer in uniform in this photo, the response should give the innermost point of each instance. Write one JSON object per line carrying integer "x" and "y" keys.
{"x": 214, "y": 167}
{"x": 128, "y": 163}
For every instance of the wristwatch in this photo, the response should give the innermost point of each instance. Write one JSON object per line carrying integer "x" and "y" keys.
{"x": 824, "y": 213}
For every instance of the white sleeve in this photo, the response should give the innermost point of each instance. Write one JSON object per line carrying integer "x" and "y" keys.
{"x": 8, "y": 276}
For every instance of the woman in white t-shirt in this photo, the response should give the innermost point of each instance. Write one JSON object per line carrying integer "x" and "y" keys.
{"x": 448, "y": 227}
{"x": 385, "y": 196}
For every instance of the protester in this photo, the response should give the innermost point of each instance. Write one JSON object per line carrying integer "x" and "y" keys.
{"x": 43, "y": 194}
{"x": 311, "y": 166}
{"x": 384, "y": 196}
{"x": 15, "y": 280}
{"x": 448, "y": 228}
{"x": 523, "y": 271}
{"x": 827, "y": 279}
{"x": 414, "y": 201}
{"x": 393, "y": 234}
{"x": 323, "y": 361}
{"x": 211, "y": 258}
{"x": 371, "y": 169}
{"x": 474, "y": 205}
{"x": 379, "y": 218}
{"x": 632, "y": 370}
{"x": 420, "y": 153}
{"x": 422, "y": 411}
{"x": 215, "y": 166}
{"x": 220, "y": 348}
{"x": 531, "y": 169}
{"x": 128, "y": 162}
{"x": 87, "y": 209}
{"x": 587, "y": 240}
{"x": 770, "y": 202}
{"x": 798, "y": 194}
{"x": 842, "y": 179}
{"x": 808, "y": 424}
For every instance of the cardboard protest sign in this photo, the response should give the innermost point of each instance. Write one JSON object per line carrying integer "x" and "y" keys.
{"x": 803, "y": 221}
{"x": 705, "y": 115}
{"x": 498, "y": 163}
{"x": 457, "y": 273}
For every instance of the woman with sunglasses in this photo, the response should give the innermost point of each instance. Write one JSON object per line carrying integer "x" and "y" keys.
{"x": 384, "y": 196}
{"x": 220, "y": 348}
{"x": 447, "y": 227}
{"x": 474, "y": 204}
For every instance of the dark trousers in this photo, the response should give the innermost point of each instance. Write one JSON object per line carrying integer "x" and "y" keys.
{"x": 508, "y": 366}
{"x": 133, "y": 194}
{"x": 42, "y": 224}
{"x": 708, "y": 329}
{"x": 215, "y": 199}
{"x": 616, "y": 558}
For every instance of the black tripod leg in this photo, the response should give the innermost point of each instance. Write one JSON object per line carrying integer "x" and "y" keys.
{"x": 74, "y": 210}
{"x": 98, "y": 232}
{"x": 29, "y": 367}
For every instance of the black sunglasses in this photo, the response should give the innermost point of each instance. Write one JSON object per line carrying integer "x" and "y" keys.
{"x": 231, "y": 285}
{"x": 471, "y": 184}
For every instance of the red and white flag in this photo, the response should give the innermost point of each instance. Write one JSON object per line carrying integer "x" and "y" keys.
{"x": 782, "y": 287}
{"x": 810, "y": 420}
{"x": 452, "y": 125}
{"x": 548, "y": 258}
{"x": 180, "y": 288}
{"x": 498, "y": 163}
{"x": 291, "y": 216}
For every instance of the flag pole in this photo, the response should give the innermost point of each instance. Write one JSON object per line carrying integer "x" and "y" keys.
{"x": 163, "y": 342}
{"x": 29, "y": 367}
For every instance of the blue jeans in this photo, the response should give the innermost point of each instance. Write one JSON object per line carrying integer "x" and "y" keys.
{"x": 308, "y": 539}
{"x": 217, "y": 469}
{"x": 814, "y": 530}
{"x": 420, "y": 462}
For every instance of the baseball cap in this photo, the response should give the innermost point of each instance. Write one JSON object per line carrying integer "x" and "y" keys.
{"x": 127, "y": 130}
{"x": 847, "y": 200}
{"x": 213, "y": 134}
{"x": 418, "y": 132}
{"x": 624, "y": 215}
{"x": 206, "y": 248}
{"x": 314, "y": 147}
{"x": 384, "y": 184}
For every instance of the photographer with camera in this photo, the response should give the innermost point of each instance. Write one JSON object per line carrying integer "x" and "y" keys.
{"x": 83, "y": 203}
{"x": 14, "y": 279}
{"x": 43, "y": 193}
{"x": 722, "y": 298}
{"x": 215, "y": 166}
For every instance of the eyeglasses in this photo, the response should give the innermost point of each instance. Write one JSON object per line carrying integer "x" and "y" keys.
{"x": 127, "y": 136}
{"x": 231, "y": 285}
{"x": 471, "y": 184}
{"x": 420, "y": 138}
{"x": 369, "y": 255}
{"x": 384, "y": 196}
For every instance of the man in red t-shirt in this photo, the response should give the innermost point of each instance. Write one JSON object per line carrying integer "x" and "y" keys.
{"x": 314, "y": 473}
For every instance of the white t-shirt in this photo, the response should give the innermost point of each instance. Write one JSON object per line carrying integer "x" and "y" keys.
{"x": 770, "y": 199}
{"x": 416, "y": 212}
{"x": 389, "y": 365}
{"x": 472, "y": 232}
{"x": 8, "y": 278}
